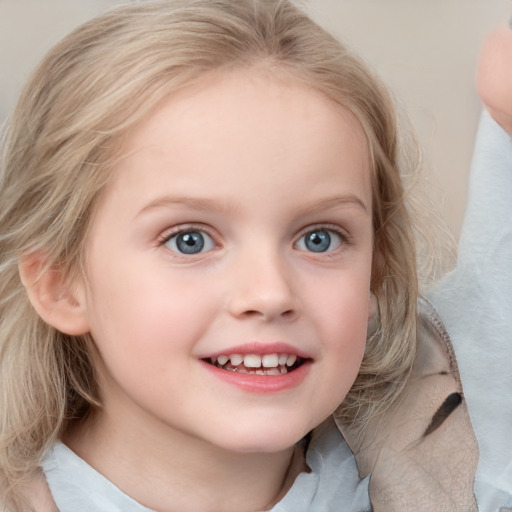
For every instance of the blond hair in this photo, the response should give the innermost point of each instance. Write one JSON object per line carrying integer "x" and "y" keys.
{"x": 62, "y": 141}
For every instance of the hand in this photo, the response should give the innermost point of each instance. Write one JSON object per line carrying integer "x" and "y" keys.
{"x": 494, "y": 76}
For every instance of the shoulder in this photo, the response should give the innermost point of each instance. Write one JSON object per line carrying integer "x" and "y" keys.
{"x": 423, "y": 450}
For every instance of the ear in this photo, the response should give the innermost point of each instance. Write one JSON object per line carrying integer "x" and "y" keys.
{"x": 58, "y": 302}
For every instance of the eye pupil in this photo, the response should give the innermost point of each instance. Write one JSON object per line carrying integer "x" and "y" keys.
{"x": 318, "y": 241}
{"x": 190, "y": 243}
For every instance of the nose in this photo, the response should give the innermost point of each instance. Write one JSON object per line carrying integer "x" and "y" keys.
{"x": 262, "y": 288}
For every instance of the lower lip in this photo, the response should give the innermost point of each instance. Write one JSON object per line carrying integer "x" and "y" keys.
{"x": 261, "y": 383}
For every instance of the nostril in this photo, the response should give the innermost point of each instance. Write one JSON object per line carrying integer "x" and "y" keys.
{"x": 269, "y": 314}
{"x": 265, "y": 304}
{"x": 252, "y": 312}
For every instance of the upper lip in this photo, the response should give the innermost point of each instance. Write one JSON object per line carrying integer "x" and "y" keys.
{"x": 259, "y": 348}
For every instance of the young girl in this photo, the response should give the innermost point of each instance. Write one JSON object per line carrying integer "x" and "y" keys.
{"x": 208, "y": 270}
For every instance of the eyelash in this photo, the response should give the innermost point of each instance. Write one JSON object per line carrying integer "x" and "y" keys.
{"x": 344, "y": 239}
{"x": 343, "y": 236}
{"x": 187, "y": 228}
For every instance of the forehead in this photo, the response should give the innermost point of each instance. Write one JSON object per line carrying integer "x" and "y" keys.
{"x": 242, "y": 123}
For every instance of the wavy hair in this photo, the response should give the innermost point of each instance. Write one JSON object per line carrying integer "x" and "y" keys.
{"x": 58, "y": 152}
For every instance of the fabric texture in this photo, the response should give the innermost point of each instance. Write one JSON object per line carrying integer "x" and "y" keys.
{"x": 421, "y": 454}
{"x": 331, "y": 485}
{"x": 475, "y": 301}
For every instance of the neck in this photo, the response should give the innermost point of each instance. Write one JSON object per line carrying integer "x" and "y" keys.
{"x": 170, "y": 471}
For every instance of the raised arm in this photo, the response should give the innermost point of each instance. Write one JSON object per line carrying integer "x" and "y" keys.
{"x": 475, "y": 300}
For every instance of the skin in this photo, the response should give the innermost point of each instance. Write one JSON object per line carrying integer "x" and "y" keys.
{"x": 494, "y": 76}
{"x": 268, "y": 144}
{"x": 255, "y": 163}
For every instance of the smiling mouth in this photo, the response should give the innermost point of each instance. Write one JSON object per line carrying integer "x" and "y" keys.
{"x": 267, "y": 364}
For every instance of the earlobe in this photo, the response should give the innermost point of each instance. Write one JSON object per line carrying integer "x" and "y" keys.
{"x": 58, "y": 302}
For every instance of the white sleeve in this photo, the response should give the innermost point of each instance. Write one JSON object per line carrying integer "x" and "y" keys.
{"x": 475, "y": 302}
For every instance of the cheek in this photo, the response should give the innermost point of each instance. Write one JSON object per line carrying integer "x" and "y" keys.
{"x": 341, "y": 315}
{"x": 143, "y": 317}
{"x": 342, "y": 307}
{"x": 343, "y": 296}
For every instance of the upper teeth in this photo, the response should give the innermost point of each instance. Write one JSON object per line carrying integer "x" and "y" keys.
{"x": 257, "y": 361}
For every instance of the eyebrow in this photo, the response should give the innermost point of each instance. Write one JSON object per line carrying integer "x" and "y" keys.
{"x": 193, "y": 203}
{"x": 211, "y": 205}
{"x": 334, "y": 201}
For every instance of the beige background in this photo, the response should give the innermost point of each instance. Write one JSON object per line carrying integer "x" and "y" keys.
{"x": 426, "y": 50}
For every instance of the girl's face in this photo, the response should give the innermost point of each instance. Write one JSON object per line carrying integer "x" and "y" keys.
{"x": 228, "y": 266}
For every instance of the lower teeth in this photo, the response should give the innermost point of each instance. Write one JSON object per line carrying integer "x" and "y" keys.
{"x": 281, "y": 369}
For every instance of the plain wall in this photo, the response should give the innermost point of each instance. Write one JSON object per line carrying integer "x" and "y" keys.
{"x": 426, "y": 50}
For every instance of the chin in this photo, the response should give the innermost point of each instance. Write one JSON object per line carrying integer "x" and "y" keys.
{"x": 265, "y": 440}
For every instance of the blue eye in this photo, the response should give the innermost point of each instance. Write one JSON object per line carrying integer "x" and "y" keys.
{"x": 319, "y": 240}
{"x": 190, "y": 242}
